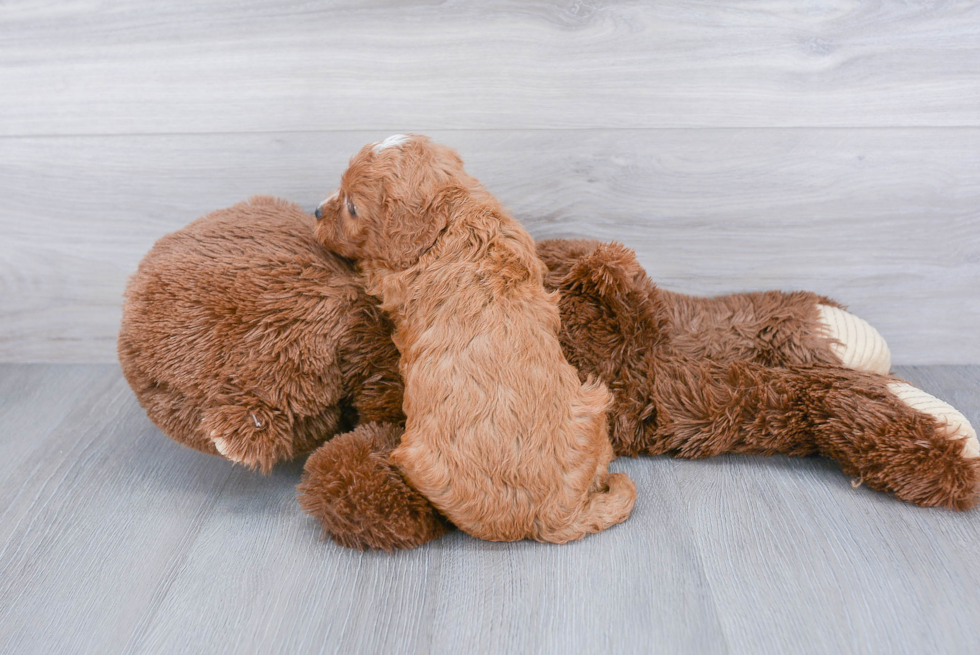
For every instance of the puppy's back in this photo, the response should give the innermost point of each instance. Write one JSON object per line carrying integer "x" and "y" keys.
{"x": 501, "y": 434}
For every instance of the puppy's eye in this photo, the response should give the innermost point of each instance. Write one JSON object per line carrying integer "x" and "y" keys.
{"x": 351, "y": 209}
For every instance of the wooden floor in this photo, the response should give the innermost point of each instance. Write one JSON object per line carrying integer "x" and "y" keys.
{"x": 113, "y": 539}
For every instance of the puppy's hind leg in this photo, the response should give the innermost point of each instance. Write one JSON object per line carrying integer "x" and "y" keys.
{"x": 608, "y": 498}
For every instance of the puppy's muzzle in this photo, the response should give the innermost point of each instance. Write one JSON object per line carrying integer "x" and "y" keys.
{"x": 319, "y": 209}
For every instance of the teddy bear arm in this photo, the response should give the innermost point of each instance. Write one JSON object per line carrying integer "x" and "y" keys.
{"x": 376, "y": 386}
{"x": 370, "y": 368}
{"x": 773, "y": 328}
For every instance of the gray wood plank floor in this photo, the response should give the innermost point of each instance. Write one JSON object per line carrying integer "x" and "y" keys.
{"x": 114, "y": 539}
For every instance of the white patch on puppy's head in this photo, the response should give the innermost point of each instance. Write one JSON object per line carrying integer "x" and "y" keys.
{"x": 328, "y": 199}
{"x": 392, "y": 141}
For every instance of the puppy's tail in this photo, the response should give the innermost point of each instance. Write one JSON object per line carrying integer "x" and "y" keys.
{"x": 603, "y": 509}
{"x": 606, "y": 509}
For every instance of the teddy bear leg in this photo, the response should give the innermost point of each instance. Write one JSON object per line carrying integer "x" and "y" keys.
{"x": 774, "y": 328}
{"x": 854, "y": 341}
{"x": 882, "y": 432}
{"x": 894, "y": 437}
{"x": 250, "y": 432}
{"x": 361, "y": 499}
{"x": 951, "y": 421}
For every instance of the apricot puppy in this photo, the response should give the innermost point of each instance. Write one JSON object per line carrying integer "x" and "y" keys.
{"x": 501, "y": 436}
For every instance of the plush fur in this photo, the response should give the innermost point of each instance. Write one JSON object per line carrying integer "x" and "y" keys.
{"x": 239, "y": 335}
{"x": 692, "y": 377}
{"x": 353, "y": 487}
{"x": 500, "y": 434}
{"x": 673, "y": 400}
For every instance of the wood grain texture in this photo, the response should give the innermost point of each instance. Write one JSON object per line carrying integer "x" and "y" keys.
{"x": 886, "y": 221}
{"x": 114, "y": 539}
{"x": 97, "y": 513}
{"x": 88, "y": 66}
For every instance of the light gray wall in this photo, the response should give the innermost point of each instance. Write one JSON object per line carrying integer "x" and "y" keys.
{"x": 830, "y": 145}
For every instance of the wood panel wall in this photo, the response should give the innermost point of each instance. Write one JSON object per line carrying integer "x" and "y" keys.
{"x": 831, "y": 145}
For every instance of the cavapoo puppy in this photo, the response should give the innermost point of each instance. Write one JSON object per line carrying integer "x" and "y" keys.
{"x": 501, "y": 436}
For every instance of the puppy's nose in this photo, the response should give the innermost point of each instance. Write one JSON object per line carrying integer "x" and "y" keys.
{"x": 318, "y": 213}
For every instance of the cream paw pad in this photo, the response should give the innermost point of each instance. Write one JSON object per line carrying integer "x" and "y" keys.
{"x": 859, "y": 346}
{"x": 224, "y": 448}
{"x": 957, "y": 425}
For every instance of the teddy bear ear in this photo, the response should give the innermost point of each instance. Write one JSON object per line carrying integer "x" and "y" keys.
{"x": 615, "y": 286}
{"x": 609, "y": 269}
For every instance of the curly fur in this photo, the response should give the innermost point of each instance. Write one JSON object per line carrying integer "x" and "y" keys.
{"x": 500, "y": 434}
{"x": 674, "y": 394}
{"x": 238, "y": 328}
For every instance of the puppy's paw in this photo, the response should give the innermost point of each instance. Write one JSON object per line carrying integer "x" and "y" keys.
{"x": 614, "y": 505}
{"x": 256, "y": 437}
{"x": 855, "y": 342}
{"x": 955, "y": 425}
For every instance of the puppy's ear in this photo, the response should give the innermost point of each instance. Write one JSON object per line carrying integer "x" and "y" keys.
{"x": 413, "y": 228}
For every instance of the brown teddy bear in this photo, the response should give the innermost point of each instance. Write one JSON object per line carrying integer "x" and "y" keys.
{"x": 241, "y": 336}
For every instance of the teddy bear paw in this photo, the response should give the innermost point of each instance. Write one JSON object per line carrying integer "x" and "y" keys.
{"x": 955, "y": 424}
{"x": 224, "y": 447}
{"x": 856, "y": 343}
{"x": 255, "y": 454}
{"x": 254, "y": 437}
